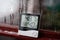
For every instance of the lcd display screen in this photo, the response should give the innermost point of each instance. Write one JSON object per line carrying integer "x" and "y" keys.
{"x": 29, "y": 21}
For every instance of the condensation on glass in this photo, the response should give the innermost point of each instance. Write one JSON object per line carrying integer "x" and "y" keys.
{"x": 9, "y": 11}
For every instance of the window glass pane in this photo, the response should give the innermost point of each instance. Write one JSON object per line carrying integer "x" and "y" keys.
{"x": 9, "y": 11}
{"x": 51, "y": 16}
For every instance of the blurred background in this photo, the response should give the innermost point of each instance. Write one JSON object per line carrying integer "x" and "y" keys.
{"x": 50, "y": 9}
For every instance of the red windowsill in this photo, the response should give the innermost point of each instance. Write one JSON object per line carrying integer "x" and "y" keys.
{"x": 23, "y": 37}
{"x": 43, "y": 33}
{"x": 8, "y": 27}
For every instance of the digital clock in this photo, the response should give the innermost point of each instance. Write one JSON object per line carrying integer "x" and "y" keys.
{"x": 29, "y": 25}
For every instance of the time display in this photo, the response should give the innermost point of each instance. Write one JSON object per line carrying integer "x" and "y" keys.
{"x": 29, "y": 21}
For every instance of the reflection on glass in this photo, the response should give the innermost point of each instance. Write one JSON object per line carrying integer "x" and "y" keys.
{"x": 29, "y": 21}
